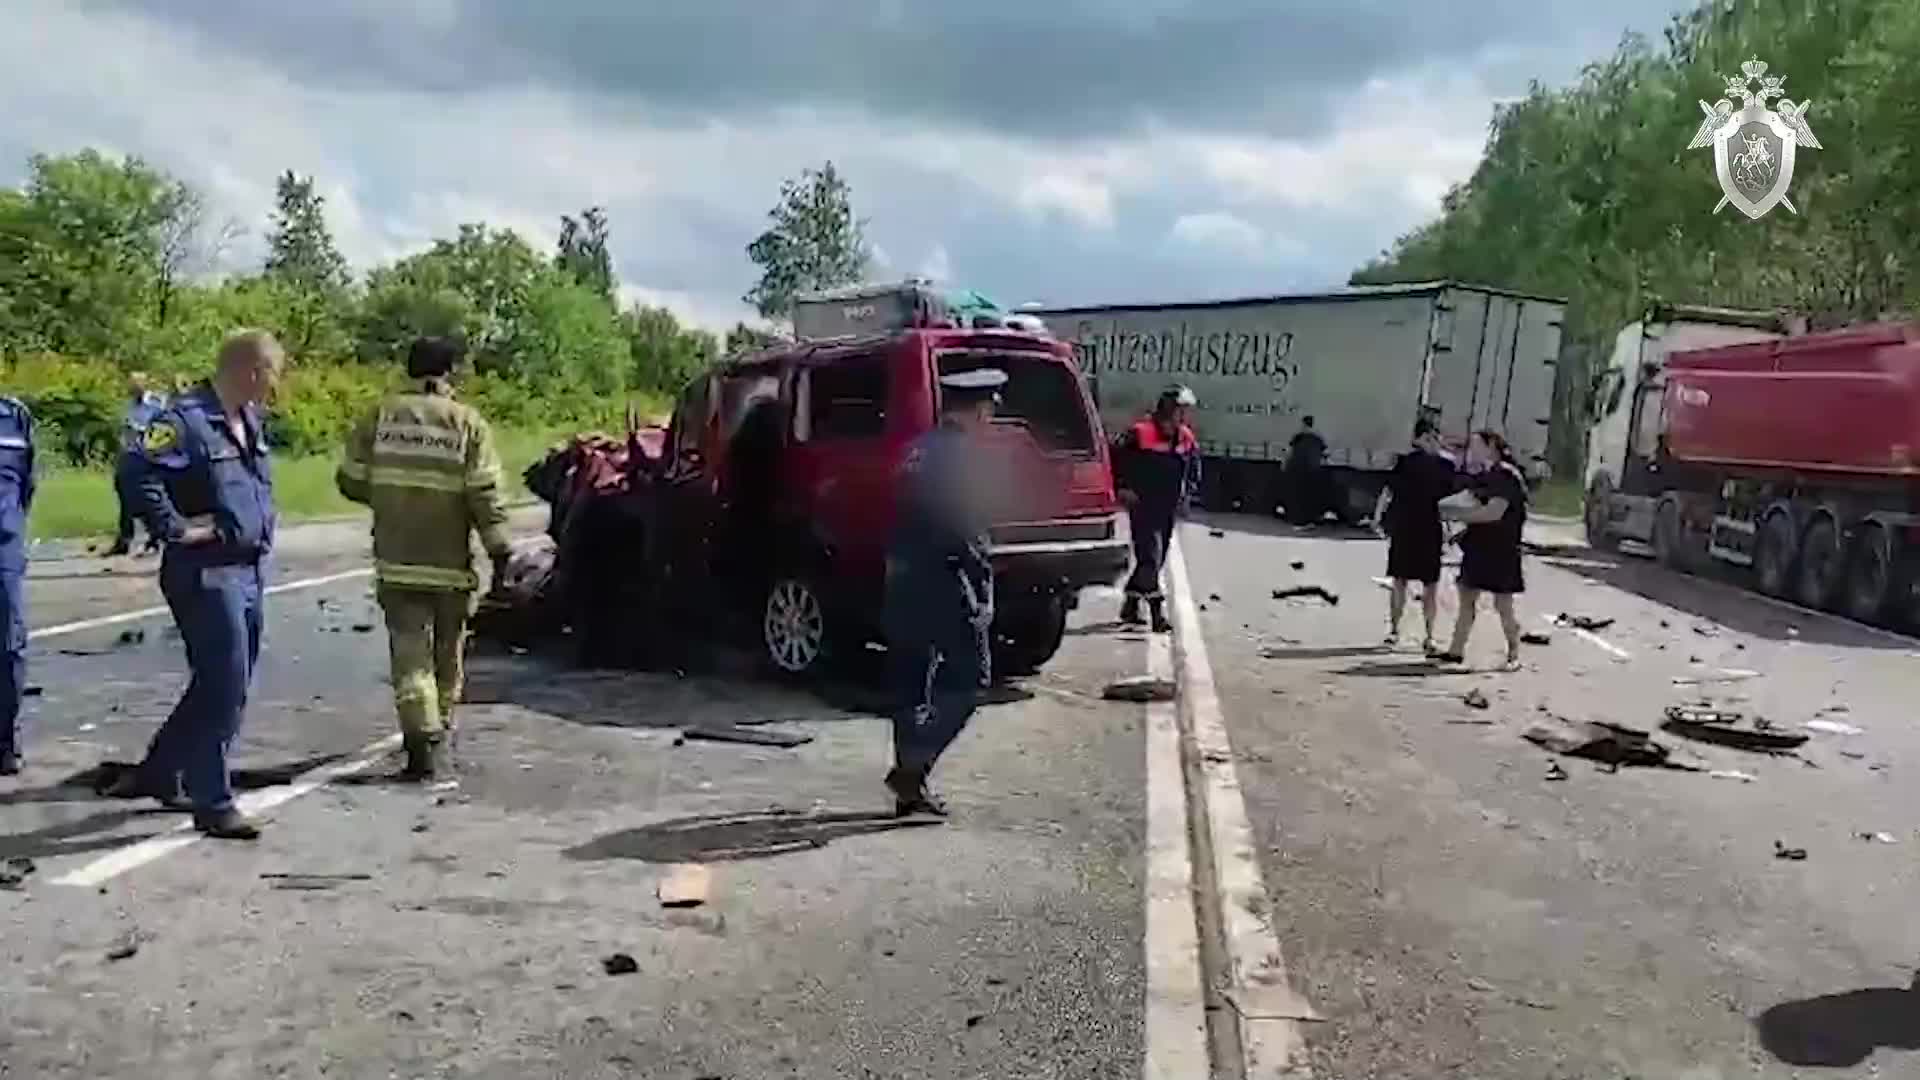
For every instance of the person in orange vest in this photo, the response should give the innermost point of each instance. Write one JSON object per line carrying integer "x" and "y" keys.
{"x": 1156, "y": 468}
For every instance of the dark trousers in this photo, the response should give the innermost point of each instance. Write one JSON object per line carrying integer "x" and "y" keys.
{"x": 1152, "y": 532}
{"x": 123, "y": 534}
{"x": 13, "y": 664}
{"x": 219, "y": 612}
{"x": 936, "y": 671}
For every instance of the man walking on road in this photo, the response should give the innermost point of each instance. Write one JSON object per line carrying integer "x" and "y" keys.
{"x": 1156, "y": 467}
{"x": 142, "y": 407}
{"x": 939, "y": 591}
{"x": 16, "y": 501}
{"x": 204, "y": 487}
{"x": 426, "y": 465}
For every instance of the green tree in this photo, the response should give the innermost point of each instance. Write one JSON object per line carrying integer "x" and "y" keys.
{"x": 747, "y": 339}
{"x": 475, "y": 284}
{"x": 815, "y": 242}
{"x": 584, "y": 254}
{"x": 665, "y": 354}
{"x": 303, "y": 261}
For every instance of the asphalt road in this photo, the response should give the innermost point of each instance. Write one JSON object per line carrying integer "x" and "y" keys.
{"x": 463, "y": 933}
{"x": 1441, "y": 905}
{"x": 1452, "y": 911}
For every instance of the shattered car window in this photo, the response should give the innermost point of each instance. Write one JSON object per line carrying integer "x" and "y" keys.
{"x": 1042, "y": 392}
{"x": 847, "y": 399}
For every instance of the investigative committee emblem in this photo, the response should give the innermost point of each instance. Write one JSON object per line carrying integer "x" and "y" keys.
{"x": 1753, "y": 142}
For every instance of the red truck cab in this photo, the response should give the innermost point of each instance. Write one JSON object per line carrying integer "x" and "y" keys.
{"x": 780, "y": 486}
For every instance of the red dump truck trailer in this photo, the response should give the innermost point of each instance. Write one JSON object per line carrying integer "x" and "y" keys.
{"x": 1792, "y": 456}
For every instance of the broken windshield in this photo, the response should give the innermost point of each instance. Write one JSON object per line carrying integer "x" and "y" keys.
{"x": 1042, "y": 394}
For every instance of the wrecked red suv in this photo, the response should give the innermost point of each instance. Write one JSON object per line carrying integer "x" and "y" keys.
{"x": 778, "y": 486}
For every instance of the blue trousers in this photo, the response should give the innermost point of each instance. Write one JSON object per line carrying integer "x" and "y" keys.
{"x": 1152, "y": 531}
{"x": 13, "y": 662}
{"x": 937, "y": 671}
{"x": 219, "y": 612}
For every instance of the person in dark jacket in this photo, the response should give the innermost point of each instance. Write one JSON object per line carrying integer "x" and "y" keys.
{"x": 939, "y": 587}
{"x": 1308, "y": 491}
{"x": 1156, "y": 468}
{"x": 1490, "y": 553}
{"x": 1410, "y": 519}
{"x": 142, "y": 406}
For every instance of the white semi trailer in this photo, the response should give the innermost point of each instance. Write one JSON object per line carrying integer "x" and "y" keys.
{"x": 1365, "y": 363}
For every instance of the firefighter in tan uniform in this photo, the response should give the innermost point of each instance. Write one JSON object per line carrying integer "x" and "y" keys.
{"x": 426, "y": 465}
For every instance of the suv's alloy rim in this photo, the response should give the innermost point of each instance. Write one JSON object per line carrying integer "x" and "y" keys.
{"x": 795, "y": 626}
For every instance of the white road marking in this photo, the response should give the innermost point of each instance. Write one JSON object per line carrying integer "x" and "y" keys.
{"x": 1590, "y": 637}
{"x": 1268, "y": 1009}
{"x": 148, "y": 613}
{"x": 114, "y": 863}
{"x": 1176, "y": 1022}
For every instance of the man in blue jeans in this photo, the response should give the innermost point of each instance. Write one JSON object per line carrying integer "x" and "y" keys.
{"x": 203, "y": 485}
{"x": 16, "y": 499}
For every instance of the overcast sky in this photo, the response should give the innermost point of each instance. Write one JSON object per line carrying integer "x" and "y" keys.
{"x": 1066, "y": 151}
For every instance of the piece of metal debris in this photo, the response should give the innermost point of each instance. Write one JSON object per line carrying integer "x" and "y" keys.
{"x": 1791, "y": 854}
{"x": 15, "y": 871}
{"x": 1306, "y": 590}
{"x": 363, "y": 628}
{"x": 1216, "y": 533}
{"x": 1716, "y": 727}
{"x": 1143, "y": 688}
{"x": 1733, "y": 774}
{"x": 1833, "y": 727}
{"x": 620, "y": 964}
{"x": 1555, "y": 772}
{"x": 734, "y": 733}
{"x": 1879, "y": 837}
{"x": 1475, "y": 699}
{"x": 1608, "y": 744}
{"x": 124, "y": 946}
{"x": 1583, "y": 622}
{"x": 1536, "y": 637}
{"x": 1297, "y": 564}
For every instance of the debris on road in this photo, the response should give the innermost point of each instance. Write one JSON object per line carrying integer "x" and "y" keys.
{"x": 1536, "y": 637}
{"x": 1720, "y": 731}
{"x": 14, "y": 872}
{"x": 124, "y": 946}
{"x": 1791, "y": 854}
{"x": 1555, "y": 772}
{"x": 1608, "y": 744}
{"x": 1475, "y": 699}
{"x": 1582, "y": 622}
{"x": 312, "y": 882}
{"x": 1704, "y": 630}
{"x": 132, "y": 637}
{"x": 1723, "y": 675}
{"x": 684, "y": 886}
{"x": 363, "y": 628}
{"x": 1733, "y": 774}
{"x": 734, "y": 733}
{"x": 1306, "y": 590}
{"x": 620, "y": 964}
{"x": 1216, "y": 533}
{"x": 1297, "y": 564}
{"x": 1833, "y": 727}
{"x": 1879, "y": 837}
{"x": 32, "y": 691}
{"x": 1142, "y": 688}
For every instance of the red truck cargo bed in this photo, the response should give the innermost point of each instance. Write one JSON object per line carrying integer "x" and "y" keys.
{"x": 1841, "y": 402}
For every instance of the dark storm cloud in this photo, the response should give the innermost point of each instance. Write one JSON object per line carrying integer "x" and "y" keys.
{"x": 1049, "y": 67}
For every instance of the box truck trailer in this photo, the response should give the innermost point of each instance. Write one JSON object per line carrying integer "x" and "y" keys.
{"x": 1365, "y": 363}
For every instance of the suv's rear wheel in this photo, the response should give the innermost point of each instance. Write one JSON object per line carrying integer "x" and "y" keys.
{"x": 796, "y": 626}
{"x": 1026, "y": 641}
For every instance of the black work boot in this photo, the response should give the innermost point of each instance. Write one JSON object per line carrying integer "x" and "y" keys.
{"x": 119, "y": 548}
{"x": 228, "y": 824}
{"x": 1130, "y": 611}
{"x": 426, "y": 758}
{"x": 138, "y": 783}
{"x": 9, "y": 763}
{"x": 1158, "y": 607}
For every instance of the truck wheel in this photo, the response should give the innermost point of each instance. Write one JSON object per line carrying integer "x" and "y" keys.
{"x": 1669, "y": 538}
{"x": 1598, "y": 537}
{"x": 796, "y": 626}
{"x": 1774, "y": 555}
{"x": 1822, "y": 564}
{"x": 1870, "y": 574}
{"x": 1028, "y": 640}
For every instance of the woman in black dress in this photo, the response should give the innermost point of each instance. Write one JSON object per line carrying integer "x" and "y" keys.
{"x": 1410, "y": 519}
{"x": 1490, "y": 548}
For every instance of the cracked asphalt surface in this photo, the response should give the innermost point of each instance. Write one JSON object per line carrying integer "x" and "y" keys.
{"x": 1448, "y": 908}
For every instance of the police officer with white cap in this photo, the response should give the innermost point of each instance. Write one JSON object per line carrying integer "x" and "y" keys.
{"x": 939, "y": 590}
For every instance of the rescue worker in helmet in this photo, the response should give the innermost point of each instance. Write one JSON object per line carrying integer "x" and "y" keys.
{"x": 1156, "y": 467}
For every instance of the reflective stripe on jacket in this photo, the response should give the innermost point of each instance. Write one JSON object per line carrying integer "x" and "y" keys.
{"x": 427, "y": 467}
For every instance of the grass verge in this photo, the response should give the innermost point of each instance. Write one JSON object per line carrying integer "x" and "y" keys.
{"x": 80, "y": 502}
